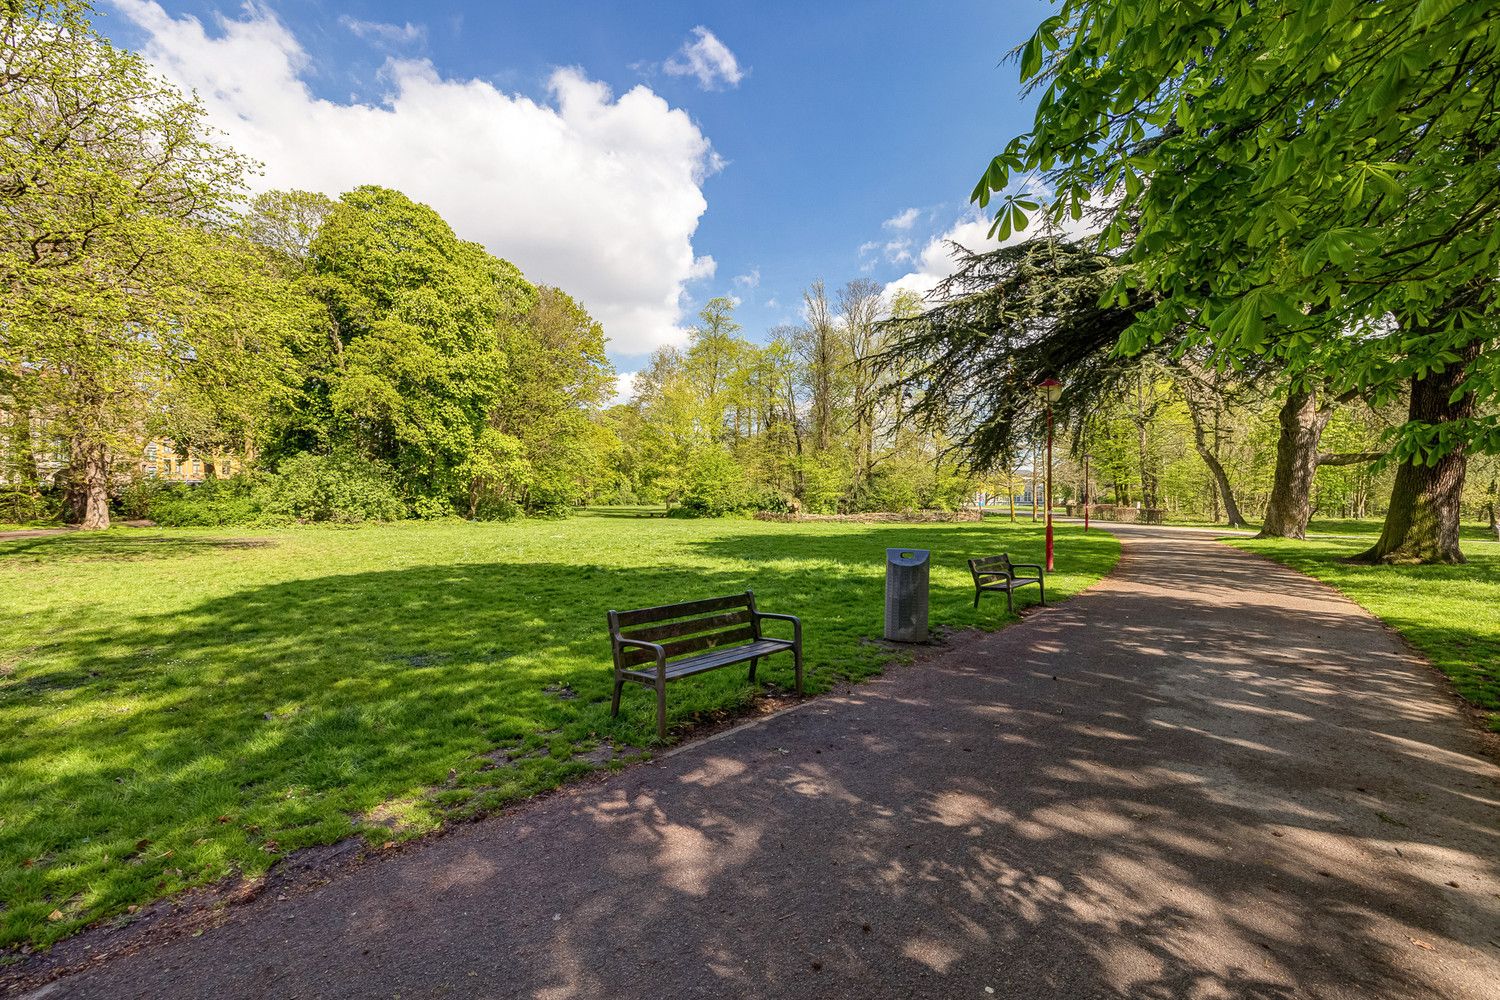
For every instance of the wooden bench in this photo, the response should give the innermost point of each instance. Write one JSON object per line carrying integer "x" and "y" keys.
{"x": 996, "y": 573}
{"x": 679, "y": 640}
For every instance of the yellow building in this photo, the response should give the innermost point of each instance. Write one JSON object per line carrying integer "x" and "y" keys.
{"x": 162, "y": 460}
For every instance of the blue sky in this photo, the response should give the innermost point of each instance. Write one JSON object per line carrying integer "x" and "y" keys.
{"x": 830, "y": 125}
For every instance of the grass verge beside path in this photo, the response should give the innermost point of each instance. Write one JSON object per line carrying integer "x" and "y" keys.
{"x": 181, "y": 706}
{"x": 1450, "y": 613}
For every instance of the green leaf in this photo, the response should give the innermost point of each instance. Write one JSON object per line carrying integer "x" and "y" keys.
{"x": 1429, "y": 12}
{"x": 1031, "y": 58}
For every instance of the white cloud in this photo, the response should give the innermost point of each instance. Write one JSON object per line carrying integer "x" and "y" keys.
{"x": 598, "y": 194}
{"x": 750, "y": 280}
{"x": 624, "y": 388}
{"x": 703, "y": 267}
{"x": 902, "y": 220}
{"x": 935, "y": 261}
{"x": 388, "y": 34}
{"x": 897, "y": 251}
{"x": 707, "y": 58}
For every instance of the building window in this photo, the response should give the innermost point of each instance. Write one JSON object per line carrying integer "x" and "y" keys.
{"x": 151, "y": 451}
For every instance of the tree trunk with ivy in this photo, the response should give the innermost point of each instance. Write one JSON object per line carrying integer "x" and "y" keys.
{"x": 1424, "y": 515}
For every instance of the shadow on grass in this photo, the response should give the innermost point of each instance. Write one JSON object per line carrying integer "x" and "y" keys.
{"x": 1449, "y": 612}
{"x": 1468, "y": 531}
{"x": 119, "y": 545}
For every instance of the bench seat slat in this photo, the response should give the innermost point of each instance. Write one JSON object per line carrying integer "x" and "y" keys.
{"x": 631, "y": 655}
{"x": 642, "y": 616}
{"x": 1009, "y": 584}
{"x": 712, "y": 660}
{"x": 670, "y": 630}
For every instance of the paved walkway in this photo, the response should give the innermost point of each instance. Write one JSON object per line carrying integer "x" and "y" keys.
{"x": 1208, "y": 777}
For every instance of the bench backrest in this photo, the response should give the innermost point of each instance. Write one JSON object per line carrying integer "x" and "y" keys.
{"x": 990, "y": 566}
{"x": 686, "y": 628}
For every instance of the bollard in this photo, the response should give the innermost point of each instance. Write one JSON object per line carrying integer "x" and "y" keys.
{"x": 906, "y": 595}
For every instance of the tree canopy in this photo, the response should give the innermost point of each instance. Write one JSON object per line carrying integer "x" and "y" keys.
{"x": 1315, "y": 166}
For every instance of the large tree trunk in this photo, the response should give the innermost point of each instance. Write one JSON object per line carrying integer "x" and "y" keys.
{"x": 87, "y": 502}
{"x": 1494, "y": 509}
{"x": 1290, "y": 506}
{"x": 1215, "y": 468}
{"x": 1422, "y": 523}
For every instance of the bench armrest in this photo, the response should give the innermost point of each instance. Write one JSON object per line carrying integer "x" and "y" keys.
{"x": 1035, "y": 566}
{"x": 661, "y": 654}
{"x": 796, "y": 623}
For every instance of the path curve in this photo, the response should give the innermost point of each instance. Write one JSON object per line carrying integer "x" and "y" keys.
{"x": 1210, "y": 776}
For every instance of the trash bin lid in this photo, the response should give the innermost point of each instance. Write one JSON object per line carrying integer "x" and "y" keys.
{"x": 906, "y": 557}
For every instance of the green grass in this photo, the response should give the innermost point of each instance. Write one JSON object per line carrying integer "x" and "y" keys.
{"x": 1450, "y": 613}
{"x": 181, "y": 706}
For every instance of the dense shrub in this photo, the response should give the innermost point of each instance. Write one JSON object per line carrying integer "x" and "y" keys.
{"x": 776, "y": 502}
{"x": 215, "y": 503}
{"x": 23, "y": 502}
{"x": 201, "y": 512}
{"x": 550, "y": 500}
{"x": 714, "y": 485}
{"x": 339, "y": 488}
{"x": 497, "y": 509}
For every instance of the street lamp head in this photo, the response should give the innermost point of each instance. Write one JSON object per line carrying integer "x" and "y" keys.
{"x": 1051, "y": 388}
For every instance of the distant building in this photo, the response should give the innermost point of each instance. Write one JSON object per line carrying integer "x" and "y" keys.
{"x": 159, "y": 459}
{"x": 162, "y": 460}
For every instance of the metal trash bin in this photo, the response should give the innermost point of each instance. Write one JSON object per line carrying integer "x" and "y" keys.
{"x": 906, "y": 594}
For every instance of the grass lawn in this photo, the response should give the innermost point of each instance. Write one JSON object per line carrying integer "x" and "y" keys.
{"x": 1450, "y": 613}
{"x": 184, "y": 705}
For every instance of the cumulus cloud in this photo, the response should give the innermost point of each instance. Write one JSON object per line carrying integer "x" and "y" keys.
{"x": 902, "y": 220}
{"x": 706, "y": 58}
{"x": 387, "y": 34}
{"x": 748, "y": 280}
{"x": 598, "y": 194}
{"x": 935, "y": 260}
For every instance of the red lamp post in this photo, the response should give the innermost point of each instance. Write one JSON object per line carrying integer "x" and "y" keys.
{"x": 1051, "y": 390}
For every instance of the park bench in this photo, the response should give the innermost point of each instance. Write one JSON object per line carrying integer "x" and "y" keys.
{"x": 997, "y": 573}
{"x": 655, "y": 646}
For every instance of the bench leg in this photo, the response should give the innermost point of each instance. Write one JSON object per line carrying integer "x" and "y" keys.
{"x": 976, "y": 598}
{"x": 661, "y": 710}
{"x": 1010, "y": 600}
{"x": 797, "y": 665}
{"x": 1041, "y": 587}
{"x": 754, "y": 662}
{"x": 614, "y": 704}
